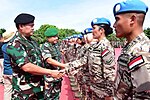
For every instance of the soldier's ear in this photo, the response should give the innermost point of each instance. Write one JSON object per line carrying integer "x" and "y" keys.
{"x": 133, "y": 18}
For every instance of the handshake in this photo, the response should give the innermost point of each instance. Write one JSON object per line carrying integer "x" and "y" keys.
{"x": 58, "y": 73}
{"x": 66, "y": 69}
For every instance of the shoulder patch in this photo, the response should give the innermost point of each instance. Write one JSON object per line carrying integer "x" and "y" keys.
{"x": 106, "y": 51}
{"x": 135, "y": 62}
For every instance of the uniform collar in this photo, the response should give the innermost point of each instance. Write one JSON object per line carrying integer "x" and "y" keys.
{"x": 134, "y": 41}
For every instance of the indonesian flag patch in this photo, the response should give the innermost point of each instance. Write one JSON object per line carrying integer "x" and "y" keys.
{"x": 135, "y": 62}
{"x": 106, "y": 51}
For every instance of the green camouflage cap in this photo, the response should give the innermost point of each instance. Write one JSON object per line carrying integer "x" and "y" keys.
{"x": 51, "y": 32}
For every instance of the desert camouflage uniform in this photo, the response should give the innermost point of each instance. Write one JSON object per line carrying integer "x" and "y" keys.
{"x": 25, "y": 85}
{"x": 63, "y": 48}
{"x": 83, "y": 73}
{"x": 133, "y": 75}
{"x": 100, "y": 60}
{"x": 70, "y": 54}
{"x": 52, "y": 86}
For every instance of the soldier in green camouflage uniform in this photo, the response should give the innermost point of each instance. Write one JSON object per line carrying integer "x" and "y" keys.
{"x": 50, "y": 49}
{"x": 27, "y": 62}
{"x": 133, "y": 74}
{"x": 100, "y": 60}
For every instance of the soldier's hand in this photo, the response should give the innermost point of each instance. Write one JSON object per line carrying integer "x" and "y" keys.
{"x": 109, "y": 98}
{"x": 56, "y": 74}
{"x": 63, "y": 71}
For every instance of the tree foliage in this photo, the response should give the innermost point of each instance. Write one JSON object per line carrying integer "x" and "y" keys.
{"x": 2, "y": 30}
{"x": 147, "y": 32}
{"x": 112, "y": 37}
{"x": 39, "y": 34}
{"x": 63, "y": 33}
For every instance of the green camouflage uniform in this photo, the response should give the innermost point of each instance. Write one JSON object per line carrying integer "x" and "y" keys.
{"x": 100, "y": 60}
{"x": 25, "y": 85}
{"x": 133, "y": 74}
{"x": 53, "y": 86}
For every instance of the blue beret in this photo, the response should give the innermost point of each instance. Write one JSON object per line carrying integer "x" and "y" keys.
{"x": 130, "y": 6}
{"x": 99, "y": 21}
{"x": 75, "y": 36}
{"x": 67, "y": 38}
{"x": 88, "y": 30}
{"x": 80, "y": 36}
{"x": 70, "y": 37}
{"x": 50, "y": 32}
{"x": 82, "y": 33}
{"x": 24, "y": 19}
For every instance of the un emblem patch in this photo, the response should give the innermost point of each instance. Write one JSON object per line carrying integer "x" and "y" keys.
{"x": 117, "y": 8}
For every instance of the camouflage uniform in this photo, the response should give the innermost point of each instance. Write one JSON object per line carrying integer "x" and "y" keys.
{"x": 70, "y": 54}
{"x": 52, "y": 86}
{"x": 133, "y": 74}
{"x": 25, "y": 85}
{"x": 83, "y": 73}
{"x": 100, "y": 60}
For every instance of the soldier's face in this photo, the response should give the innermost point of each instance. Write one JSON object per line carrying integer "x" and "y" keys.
{"x": 79, "y": 41}
{"x": 27, "y": 29}
{"x": 122, "y": 25}
{"x": 96, "y": 32}
{"x": 89, "y": 37}
{"x": 53, "y": 39}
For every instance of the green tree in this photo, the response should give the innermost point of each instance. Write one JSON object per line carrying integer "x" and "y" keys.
{"x": 39, "y": 34}
{"x": 147, "y": 32}
{"x": 2, "y": 30}
{"x": 63, "y": 33}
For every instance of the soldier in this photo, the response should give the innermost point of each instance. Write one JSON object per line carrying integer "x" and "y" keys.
{"x": 133, "y": 74}
{"x": 27, "y": 62}
{"x": 100, "y": 60}
{"x": 50, "y": 49}
{"x": 83, "y": 74}
{"x": 70, "y": 53}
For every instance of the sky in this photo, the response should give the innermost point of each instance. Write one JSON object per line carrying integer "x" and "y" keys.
{"x": 70, "y": 14}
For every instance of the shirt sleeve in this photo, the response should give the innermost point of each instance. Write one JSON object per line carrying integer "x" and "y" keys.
{"x": 77, "y": 63}
{"x": 45, "y": 52}
{"x": 108, "y": 60}
{"x": 18, "y": 54}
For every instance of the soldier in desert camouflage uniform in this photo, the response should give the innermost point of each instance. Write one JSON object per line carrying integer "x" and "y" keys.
{"x": 70, "y": 53}
{"x": 100, "y": 60}
{"x": 27, "y": 62}
{"x": 64, "y": 47}
{"x": 83, "y": 74}
{"x": 133, "y": 74}
{"x": 51, "y": 49}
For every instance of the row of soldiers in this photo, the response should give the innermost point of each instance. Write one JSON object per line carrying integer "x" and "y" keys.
{"x": 93, "y": 65}
{"x": 84, "y": 52}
